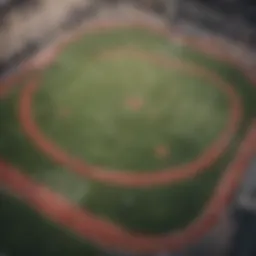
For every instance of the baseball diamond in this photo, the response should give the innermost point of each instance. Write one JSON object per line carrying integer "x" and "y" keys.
{"x": 122, "y": 140}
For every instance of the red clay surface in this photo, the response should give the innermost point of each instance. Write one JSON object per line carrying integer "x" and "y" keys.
{"x": 106, "y": 234}
{"x": 131, "y": 179}
{"x": 162, "y": 151}
{"x": 134, "y": 104}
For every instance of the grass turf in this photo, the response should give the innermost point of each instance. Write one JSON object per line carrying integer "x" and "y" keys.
{"x": 89, "y": 115}
{"x": 103, "y": 131}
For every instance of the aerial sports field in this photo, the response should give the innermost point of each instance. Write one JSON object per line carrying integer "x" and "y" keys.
{"x": 127, "y": 141}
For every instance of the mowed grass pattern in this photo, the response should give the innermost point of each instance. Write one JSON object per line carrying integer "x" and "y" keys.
{"x": 116, "y": 113}
{"x": 83, "y": 106}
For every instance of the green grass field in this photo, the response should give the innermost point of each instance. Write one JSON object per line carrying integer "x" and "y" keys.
{"x": 125, "y": 113}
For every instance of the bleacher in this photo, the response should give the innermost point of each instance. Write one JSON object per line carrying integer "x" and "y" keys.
{"x": 8, "y": 5}
{"x": 234, "y": 19}
{"x": 246, "y": 9}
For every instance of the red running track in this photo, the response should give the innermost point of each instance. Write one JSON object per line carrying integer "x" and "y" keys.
{"x": 106, "y": 234}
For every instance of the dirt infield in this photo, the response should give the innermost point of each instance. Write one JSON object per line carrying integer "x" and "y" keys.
{"x": 104, "y": 233}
